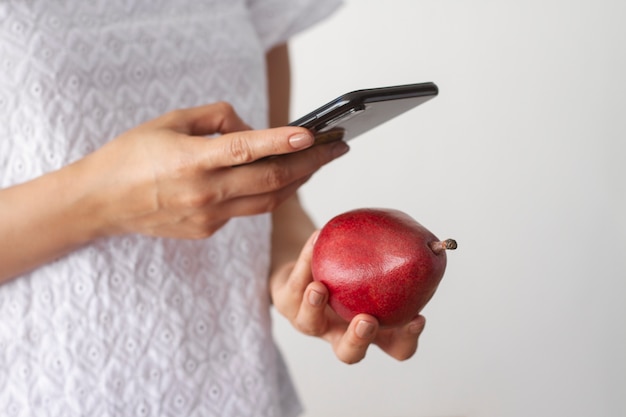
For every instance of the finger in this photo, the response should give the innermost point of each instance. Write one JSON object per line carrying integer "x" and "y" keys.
{"x": 240, "y": 148}
{"x": 275, "y": 173}
{"x": 401, "y": 343}
{"x": 352, "y": 346}
{"x": 206, "y": 120}
{"x": 259, "y": 203}
{"x": 311, "y": 318}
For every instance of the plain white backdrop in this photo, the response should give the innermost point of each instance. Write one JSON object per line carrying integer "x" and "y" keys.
{"x": 522, "y": 160}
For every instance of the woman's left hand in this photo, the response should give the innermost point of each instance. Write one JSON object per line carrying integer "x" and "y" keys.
{"x": 304, "y": 303}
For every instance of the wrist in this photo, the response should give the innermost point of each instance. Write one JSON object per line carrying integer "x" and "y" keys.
{"x": 43, "y": 220}
{"x": 85, "y": 200}
{"x": 77, "y": 206}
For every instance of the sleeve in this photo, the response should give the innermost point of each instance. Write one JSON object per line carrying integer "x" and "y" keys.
{"x": 278, "y": 20}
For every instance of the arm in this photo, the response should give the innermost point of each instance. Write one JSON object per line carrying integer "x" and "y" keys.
{"x": 292, "y": 226}
{"x": 292, "y": 289}
{"x": 163, "y": 178}
{"x": 44, "y": 219}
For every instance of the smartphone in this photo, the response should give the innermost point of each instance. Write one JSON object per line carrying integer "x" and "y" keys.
{"x": 354, "y": 113}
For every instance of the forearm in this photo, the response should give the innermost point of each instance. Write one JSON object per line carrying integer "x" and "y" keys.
{"x": 291, "y": 229}
{"x": 292, "y": 226}
{"x": 162, "y": 178}
{"x": 279, "y": 85}
{"x": 44, "y": 219}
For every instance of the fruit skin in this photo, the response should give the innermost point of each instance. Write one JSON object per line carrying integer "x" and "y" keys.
{"x": 380, "y": 262}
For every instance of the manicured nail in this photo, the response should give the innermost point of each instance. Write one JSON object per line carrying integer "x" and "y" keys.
{"x": 300, "y": 140}
{"x": 364, "y": 329}
{"x": 339, "y": 148}
{"x": 315, "y": 298}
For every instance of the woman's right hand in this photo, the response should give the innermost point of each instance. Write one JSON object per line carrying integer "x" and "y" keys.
{"x": 164, "y": 178}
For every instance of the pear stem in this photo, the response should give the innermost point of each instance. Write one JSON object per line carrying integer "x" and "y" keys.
{"x": 448, "y": 244}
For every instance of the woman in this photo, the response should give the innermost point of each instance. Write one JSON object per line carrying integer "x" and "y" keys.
{"x": 136, "y": 271}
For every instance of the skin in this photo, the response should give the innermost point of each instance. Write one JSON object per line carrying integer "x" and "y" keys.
{"x": 295, "y": 295}
{"x": 164, "y": 178}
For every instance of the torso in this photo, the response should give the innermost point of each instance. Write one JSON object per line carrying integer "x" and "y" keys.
{"x": 133, "y": 325}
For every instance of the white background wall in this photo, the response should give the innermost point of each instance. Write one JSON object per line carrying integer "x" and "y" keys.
{"x": 521, "y": 159}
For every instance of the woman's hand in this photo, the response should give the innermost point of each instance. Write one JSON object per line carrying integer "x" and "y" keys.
{"x": 304, "y": 303}
{"x": 164, "y": 178}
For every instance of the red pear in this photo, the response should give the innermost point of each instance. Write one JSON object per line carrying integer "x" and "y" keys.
{"x": 380, "y": 262}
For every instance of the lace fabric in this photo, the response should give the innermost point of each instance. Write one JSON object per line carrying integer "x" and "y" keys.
{"x": 135, "y": 325}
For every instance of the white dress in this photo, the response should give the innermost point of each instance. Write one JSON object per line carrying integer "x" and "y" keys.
{"x": 138, "y": 326}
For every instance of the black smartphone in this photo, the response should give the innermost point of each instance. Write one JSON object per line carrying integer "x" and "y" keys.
{"x": 356, "y": 112}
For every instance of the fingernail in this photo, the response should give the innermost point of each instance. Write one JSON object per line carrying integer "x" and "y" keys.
{"x": 301, "y": 140}
{"x": 315, "y": 298}
{"x": 339, "y": 148}
{"x": 416, "y": 327}
{"x": 364, "y": 329}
